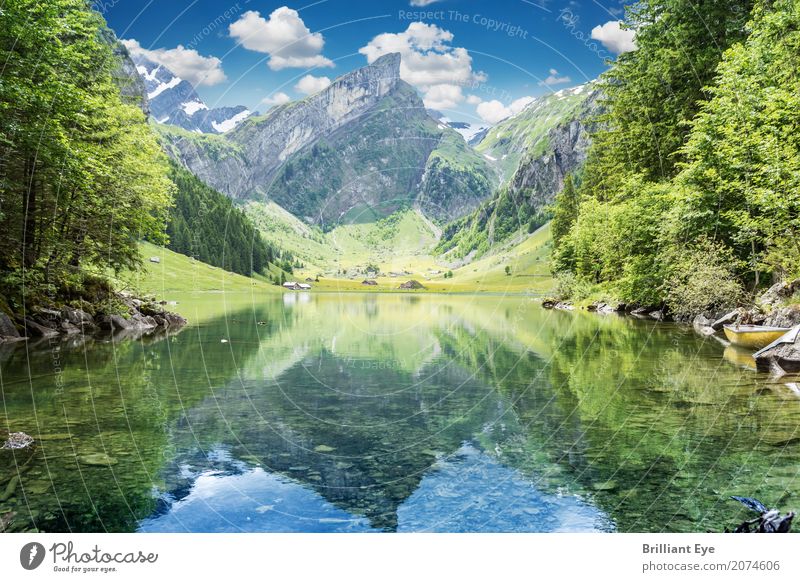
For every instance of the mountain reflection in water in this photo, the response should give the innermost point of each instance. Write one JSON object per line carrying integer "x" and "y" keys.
{"x": 395, "y": 413}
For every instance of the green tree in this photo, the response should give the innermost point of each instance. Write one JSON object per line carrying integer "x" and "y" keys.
{"x": 82, "y": 178}
{"x": 565, "y": 211}
{"x": 207, "y": 225}
{"x": 651, "y": 92}
{"x": 741, "y": 182}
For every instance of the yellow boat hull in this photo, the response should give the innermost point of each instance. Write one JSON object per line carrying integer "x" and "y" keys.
{"x": 753, "y": 336}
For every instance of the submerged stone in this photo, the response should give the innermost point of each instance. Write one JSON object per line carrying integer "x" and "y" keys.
{"x": 97, "y": 459}
{"x": 609, "y": 485}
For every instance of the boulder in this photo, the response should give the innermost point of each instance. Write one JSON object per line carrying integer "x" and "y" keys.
{"x": 702, "y": 325}
{"x": 553, "y": 304}
{"x": 69, "y": 328}
{"x": 604, "y": 308}
{"x": 7, "y": 327}
{"x": 48, "y": 313}
{"x": 18, "y": 440}
{"x": 778, "y": 293}
{"x": 34, "y": 329}
{"x": 642, "y": 311}
{"x": 114, "y": 323}
{"x": 726, "y": 319}
{"x": 76, "y": 316}
{"x": 139, "y": 321}
{"x": 784, "y": 317}
{"x": 174, "y": 320}
{"x": 781, "y": 356}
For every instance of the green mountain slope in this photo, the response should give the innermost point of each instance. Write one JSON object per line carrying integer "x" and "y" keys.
{"x": 357, "y": 151}
{"x": 535, "y": 151}
{"x": 176, "y": 273}
{"x": 526, "y": 134}
{"x": 205, "y": 224}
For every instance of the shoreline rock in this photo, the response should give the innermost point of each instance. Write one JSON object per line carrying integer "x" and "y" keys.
{"x": 136, "y": 315}
{"x": 555, "y": 304}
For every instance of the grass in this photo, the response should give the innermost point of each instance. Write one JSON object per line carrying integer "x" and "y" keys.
{"x": 178, "y": 274}
{"x": 528, "y": 260}
{"x": 400, "y": 244}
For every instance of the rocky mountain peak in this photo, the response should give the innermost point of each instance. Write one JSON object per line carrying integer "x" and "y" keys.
{"x": 174, "y": 101}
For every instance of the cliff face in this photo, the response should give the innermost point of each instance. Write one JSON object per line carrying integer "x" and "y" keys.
{"x": 355, "y": 151}
{"x": 541, "y": 177}
{"x": 536, "y": 150}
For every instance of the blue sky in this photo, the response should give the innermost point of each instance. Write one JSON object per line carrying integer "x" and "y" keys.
{"x": 474, "y": 60}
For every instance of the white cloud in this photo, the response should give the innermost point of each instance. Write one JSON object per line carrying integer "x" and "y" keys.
{"x": 443, "y": 97}
{"x": 423, "y": 2}
{"x": 311, "y": 84}
{"x": 614, "y": 38}
{"x": 276, "y": 99}
{"x": 284, "y": 37}
{"x": 494, "y": 111}
{"x": 186, "y": 63}
{"x": 474, "y": 100}
{"x": 428, "y": 61}
{"x": 554, "y": 79}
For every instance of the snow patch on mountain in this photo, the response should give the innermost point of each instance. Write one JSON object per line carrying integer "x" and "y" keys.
{"x": 466, "y": 129}
{"x": 174, "y": 82}
{"x": 192, "y": 107}
{"x": 229, "y": 124}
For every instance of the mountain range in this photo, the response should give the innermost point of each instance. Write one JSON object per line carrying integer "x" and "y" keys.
{"x": 358, "y": 150}
{"x": 366, "y": 147}
{"x": 174, "y": 101}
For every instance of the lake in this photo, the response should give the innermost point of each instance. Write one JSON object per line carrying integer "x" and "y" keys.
{"x": 393, "y": 413}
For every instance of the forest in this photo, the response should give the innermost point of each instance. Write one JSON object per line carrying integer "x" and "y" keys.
{"x": 205, "y": 224}
{"x": 83, "y": 177}
{"x": 690, "y": 194}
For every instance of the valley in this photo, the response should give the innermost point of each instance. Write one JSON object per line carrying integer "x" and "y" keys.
{"x": 360, "y": 181}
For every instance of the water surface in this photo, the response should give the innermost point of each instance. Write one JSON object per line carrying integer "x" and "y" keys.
{"x": 359, "y": 412}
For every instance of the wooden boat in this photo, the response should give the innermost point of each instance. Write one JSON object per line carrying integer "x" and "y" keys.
{"x": 753, "y": 336}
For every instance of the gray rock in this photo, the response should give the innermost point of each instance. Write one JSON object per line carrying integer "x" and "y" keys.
{"x": 778, "y": 293}
{"x": 69, "y": 328}
{"x": 641, "y": 311}
{"x": 543, "y": 175}
{"x": 726, "y": 319}
{"x": 48, "y": 313}
{"x": 701, "y": 321}
{"x": 34, "y": 329}
{"x": 174, "y": 320}
{"x": 76, "y": 316}
{"x": 7, "y": 327}
{"x": 114, "y": 323}
{"x": 781, "y": 356}
{"x": 702, "y": 325}
{"x": 784, "y": 317}
{"x": 18, "y": 440}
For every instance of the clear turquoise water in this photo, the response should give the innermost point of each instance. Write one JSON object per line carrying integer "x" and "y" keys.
{"x": 359, "y": 412}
